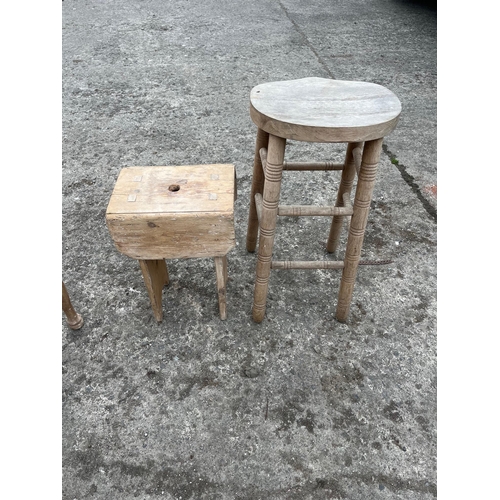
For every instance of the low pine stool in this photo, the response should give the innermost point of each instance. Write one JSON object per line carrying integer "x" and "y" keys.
{"x": 316, "y": 110}
{"x": 174, "y": 212}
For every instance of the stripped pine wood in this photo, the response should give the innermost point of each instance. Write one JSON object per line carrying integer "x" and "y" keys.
{"x": 155, "y": 276}
{"x": 221, "y": 275}
{"x": 324, "y": 110}
{"x": 173, "y": 189}
{"x": 301, "y": 166}
{"x": 257, "y": 187}
{"x": 357, "y": 154}
{"x": 310, "y": 210}
{"x": 307, "y": 264}
{"x": 174, "y": 212}
{"x": 304, "y": 210}
{"x": 312, "y": 165}
{"x": 272, "y": 185}
{"x": 360, "y": 114}
{"x": 258, "y": 205}
{"x": 362, "y": 200}
{"x": 343, "y": 193}
{"x": 173, "y": 236}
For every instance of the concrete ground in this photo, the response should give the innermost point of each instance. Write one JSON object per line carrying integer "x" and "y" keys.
{"x": 299, "y": 406}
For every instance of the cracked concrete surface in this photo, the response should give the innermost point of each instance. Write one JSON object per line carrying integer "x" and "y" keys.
{"x": 299, "y": 406}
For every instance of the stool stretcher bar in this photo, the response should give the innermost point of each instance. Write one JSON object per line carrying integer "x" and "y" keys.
{"x": 307, "y": 210}
{"x": 322, "y": 264}
{"x": 298, "y": 166}
{"x": 307, "y": 264}
{"x": 312, "y": 165}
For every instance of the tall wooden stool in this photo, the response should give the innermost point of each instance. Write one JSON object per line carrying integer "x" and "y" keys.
{"x": 316, "y": 110}
{"x": 174, "y": 212}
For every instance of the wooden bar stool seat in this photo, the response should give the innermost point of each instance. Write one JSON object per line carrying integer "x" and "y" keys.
{"x": 174, "y": 212}
{"x": 316, "y": 110}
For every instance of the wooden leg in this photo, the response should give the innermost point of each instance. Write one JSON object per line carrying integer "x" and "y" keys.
{"x": 346, "y": 182}
{"x": 257, "y": 187}
{"x": 155, "y": 276}
{"x": 221, "y": 273}
{"x": 73, "y": 319}
{"x": 361, "y": 206}
{"x": 272, "y": 186}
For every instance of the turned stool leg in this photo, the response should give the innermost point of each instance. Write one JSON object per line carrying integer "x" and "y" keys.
{"x": 73, "y": 319}
{"x": 346, "y": 182}
{"x": 257, "y": 187}
{"x": 221, "y": 274}
{"x": 361, "y": 206}
{"x": 155, "y": 276}
{"x": 272, "y": 186}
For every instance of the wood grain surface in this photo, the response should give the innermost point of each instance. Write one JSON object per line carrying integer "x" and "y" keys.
{"x": 324, "y": 110}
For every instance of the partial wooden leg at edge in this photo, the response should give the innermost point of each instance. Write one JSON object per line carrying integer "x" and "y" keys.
{"x": 155, "y": 276}
{"x": 221, "y": 274}
{"x": 74, "y": 320}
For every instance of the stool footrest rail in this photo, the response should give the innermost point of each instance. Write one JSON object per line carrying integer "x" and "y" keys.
{"x": 322, "y": 264}
{"x": 310, "y": 210}
{"x": 307, "y": 210}
{"x": 302, "y": 166}
{"x": 312, "y": 165}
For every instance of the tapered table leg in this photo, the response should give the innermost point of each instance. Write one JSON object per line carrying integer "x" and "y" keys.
{"x": 346, "y": 182}
{"x": 221, "y": 274}
{"x": 155, "y": 276}
{"x": 257, "y": 187}
{"x": 361, "y": 207}
{"x": 272, "y": 186}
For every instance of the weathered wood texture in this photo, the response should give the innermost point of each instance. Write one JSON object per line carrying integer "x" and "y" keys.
{"x": 155, "y": 276}
{"x": 301, "y": 166}
{"x": 312, "y": 165}
{"x": 360, "y": 114}
{"x": 345, "y": 188}
{"x": 74, "y": 320}
{"x": 306, "y": 210}
{"x": 271, "y": 194}
{"x": 257, "y": 187}
{"x": 307, "y": 264}
{"x": 173, "y": 212}
{"x": 221, "y": 276}
{"x": 361, "y": 208}
{"x": 324, "y": 110}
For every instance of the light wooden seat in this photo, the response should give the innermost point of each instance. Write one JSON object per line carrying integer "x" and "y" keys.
{"x": 323, "y": 110}
{"x": 174, "y": 212}
{"x": 316, "y": 110}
